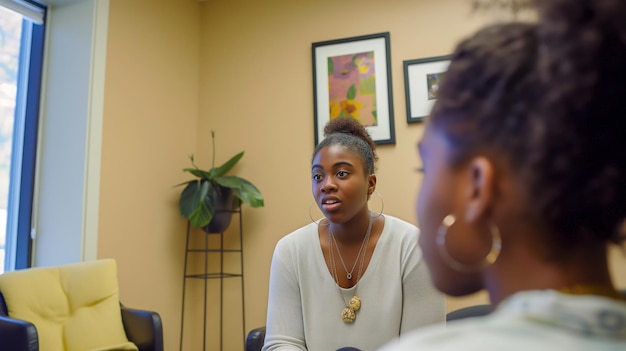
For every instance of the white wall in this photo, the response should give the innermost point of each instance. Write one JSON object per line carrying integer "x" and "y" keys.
{"x": 67, "y": 191}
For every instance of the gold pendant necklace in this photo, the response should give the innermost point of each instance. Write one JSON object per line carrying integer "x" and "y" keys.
{"x": 343, "y": 263}
{"x": 348, "y": 313}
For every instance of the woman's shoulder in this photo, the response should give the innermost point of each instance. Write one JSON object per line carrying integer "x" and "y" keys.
{"x": 301, "y": 236}
{"x": 398, "y": 221}
{"x": 396, "y": 225}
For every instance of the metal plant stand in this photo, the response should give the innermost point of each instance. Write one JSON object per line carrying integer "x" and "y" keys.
{"x": 208, "y": 274}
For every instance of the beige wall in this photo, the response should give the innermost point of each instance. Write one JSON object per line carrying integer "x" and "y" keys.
{"x": 150, "y": 127}
{"x": 177, "y": 69}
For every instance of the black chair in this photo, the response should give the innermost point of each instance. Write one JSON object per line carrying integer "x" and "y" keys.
{"x": 255, "y": 339}
{"x": 143, "y": 328}
{"x": 469, "y": 311}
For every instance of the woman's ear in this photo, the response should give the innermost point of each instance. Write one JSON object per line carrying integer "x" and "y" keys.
{"x": 371, "y": 184}
{"x": 481, "y": 187}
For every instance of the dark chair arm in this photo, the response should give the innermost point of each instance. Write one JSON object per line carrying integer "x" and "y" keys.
{"x": 143, "y": 328}
{"x": 470, "y": 311}
{"x": 17, "y": 335}
{"x": 255, "y": 339}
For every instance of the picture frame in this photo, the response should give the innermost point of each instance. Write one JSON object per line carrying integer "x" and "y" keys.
{"x": 421, "y": 78}
{"x": 352, "y": 77}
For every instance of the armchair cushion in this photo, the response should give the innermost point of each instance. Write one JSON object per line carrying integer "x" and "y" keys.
{"x": 73, "y": 307}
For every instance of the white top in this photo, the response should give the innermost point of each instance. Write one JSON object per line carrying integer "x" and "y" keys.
{"x": 304, "y": 307}
{"x": 533, "y": 320}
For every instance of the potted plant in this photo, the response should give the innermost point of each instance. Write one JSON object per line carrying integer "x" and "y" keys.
{"x": 209, "y": 200}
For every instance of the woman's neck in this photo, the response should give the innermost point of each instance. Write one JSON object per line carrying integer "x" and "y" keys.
{"x": 352, "y": 230}
{"x": 586, "y": 271}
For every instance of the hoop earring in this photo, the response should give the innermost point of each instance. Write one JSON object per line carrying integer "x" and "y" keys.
{"x": 382, "y": 204}
{"x": 319, "y": 221}
{"x": 492, "y": 256}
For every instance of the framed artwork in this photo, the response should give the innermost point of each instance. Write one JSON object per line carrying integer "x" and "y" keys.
{"x": 352, "y": 78}
{"x": 421, "y": 81}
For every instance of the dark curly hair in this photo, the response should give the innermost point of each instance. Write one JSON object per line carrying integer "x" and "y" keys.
{"x": 550, "y": 97}
{"x": 348, "y": 132}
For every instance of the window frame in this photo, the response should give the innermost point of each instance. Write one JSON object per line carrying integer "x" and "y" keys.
{"x": 18, "y": 245}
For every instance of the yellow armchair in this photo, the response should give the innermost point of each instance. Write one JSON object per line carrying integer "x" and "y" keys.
{"x": 73, "y": 307}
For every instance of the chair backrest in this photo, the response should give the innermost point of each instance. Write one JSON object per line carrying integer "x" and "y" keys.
{"x": 4, "y": 310}
{"x": 74, "y": 306}
{"x": 255, "y": 339}
{"x": 470, "y": 311}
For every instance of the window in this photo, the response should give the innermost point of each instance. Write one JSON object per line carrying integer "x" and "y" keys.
{"x": 21, "y": 54}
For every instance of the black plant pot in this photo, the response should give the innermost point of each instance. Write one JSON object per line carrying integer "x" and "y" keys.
{"x": 224, "y": 209}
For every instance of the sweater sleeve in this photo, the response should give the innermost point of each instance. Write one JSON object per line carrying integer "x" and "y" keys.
{"x": 284, "y": 326}
{"x": 422, "y": 303}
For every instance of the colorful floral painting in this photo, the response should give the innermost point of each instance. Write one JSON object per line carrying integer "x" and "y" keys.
{"x": 352, "y": 78}
{"x": 352, "y": 87}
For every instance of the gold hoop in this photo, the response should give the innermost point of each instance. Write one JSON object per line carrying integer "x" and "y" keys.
{"x": 319, "y": 221}
{"x": 382, "y": 204}
{"x": 492, "y": 256}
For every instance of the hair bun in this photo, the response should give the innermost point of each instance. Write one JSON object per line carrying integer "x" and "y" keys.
{"x": 582, "y": 52}
{"x": 351, "y": 126}
{"x": 582, "y": 56}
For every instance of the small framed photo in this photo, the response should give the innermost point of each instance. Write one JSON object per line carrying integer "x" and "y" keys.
{"x": 352, "y": 78}
{"x": 421, "y": 82}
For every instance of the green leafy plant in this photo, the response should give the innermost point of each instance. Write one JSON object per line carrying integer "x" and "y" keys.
{"x": 198, "y": 199}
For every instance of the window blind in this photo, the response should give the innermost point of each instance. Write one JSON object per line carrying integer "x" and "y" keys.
{"x": 33, "y": 10}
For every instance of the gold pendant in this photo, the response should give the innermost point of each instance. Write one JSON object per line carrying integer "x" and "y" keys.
{"x": 355, "y": 303}
{"x": 348, "y": 315}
